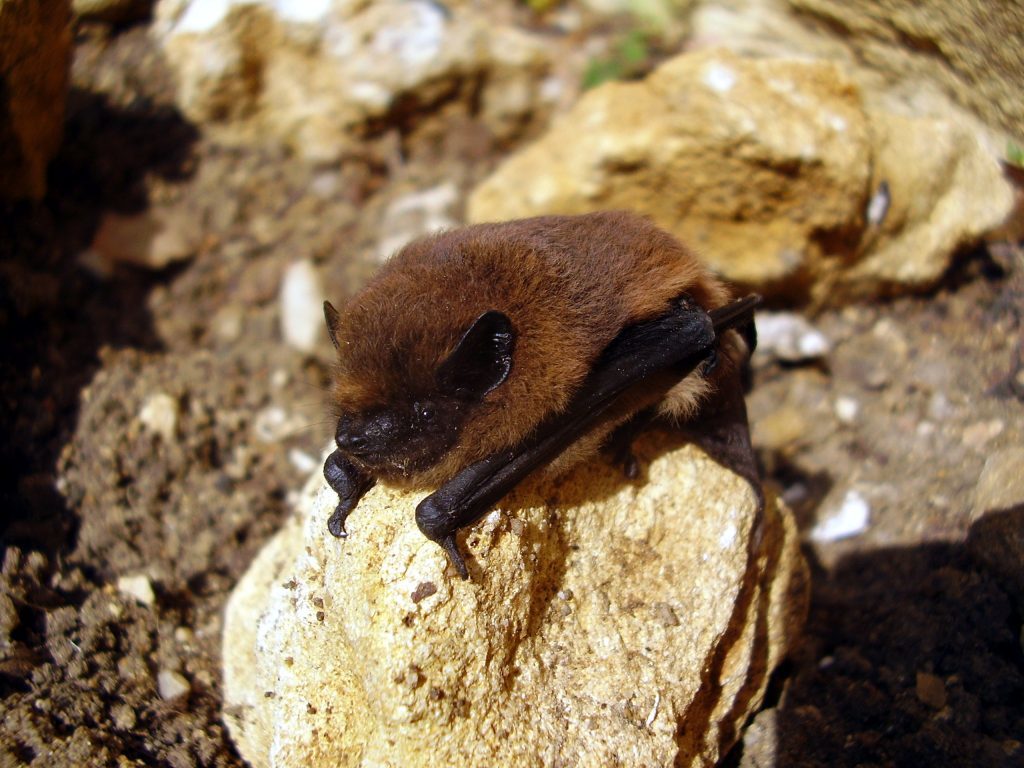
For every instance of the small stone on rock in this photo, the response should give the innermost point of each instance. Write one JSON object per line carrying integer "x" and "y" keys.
{"x": 788, "y": 336}
{"x": 301, "y": 306}
{"x": 979, "y": 434}
{"x": 137, "y": 586}
{"x": 849, "y": 520}
{"x": 846, "y": 409}
{"x": 159, "y": 414}
{"x": 171, "y": 684}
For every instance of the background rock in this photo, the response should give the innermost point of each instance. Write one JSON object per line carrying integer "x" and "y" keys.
{"x": 766, "y": 167}
{"x": 34, "y": 60}
{"x": 650, "y": 614}
{"x": 315, "y": 75}
{"x": 964, "y": 47}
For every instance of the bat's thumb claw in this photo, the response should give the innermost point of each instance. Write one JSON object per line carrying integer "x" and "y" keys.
{"x": 452, "y": 548}
{"x": 336, "y": 525}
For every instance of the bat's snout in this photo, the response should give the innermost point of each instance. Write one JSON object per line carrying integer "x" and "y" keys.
{"x": 364, "y": 437}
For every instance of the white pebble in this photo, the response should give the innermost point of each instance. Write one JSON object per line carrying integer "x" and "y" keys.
{"x": 847, "y": 409}
{"x": 171, "y": 684}
{"x": 302, "y": 298}
{"x": 788, "y": 336}
{"x": 849, "y": 520}
{"x": 719, "y": 78}
{"x": 302, "y": 461}
{"x": 138, "y": 587}
{"x": 159, "y": 414}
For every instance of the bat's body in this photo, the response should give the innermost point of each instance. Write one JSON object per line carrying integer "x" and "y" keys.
{"x": 478, "y": 355}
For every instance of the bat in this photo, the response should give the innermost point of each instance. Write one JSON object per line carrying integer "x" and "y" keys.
{"x": 480, "y": 355}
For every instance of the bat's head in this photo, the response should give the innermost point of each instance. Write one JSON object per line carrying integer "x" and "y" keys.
{"x": 405, "y": 389}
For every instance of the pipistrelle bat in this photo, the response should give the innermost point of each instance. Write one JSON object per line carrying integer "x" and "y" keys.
{"x": 478, "y": 355}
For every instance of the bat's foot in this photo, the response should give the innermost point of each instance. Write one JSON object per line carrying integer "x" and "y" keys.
{"x": 620, "y": 443}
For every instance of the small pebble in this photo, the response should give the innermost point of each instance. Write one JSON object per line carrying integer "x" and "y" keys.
{"x": 301, "y": 306}
{"x": 789, "y": 337}
{"x": 979, "y": 434}
{"x": 846, "y": 409}
{"x": 159, "y": 414}
{"x": 171, "y": 684}
{"x": 931, "y": 690}
{"x": 302, "y": 461}
{"x": 137, "y": 586}
{"x": 850, "y": 519}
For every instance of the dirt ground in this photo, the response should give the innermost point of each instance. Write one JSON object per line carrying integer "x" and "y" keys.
{"x": 913, "y": 650}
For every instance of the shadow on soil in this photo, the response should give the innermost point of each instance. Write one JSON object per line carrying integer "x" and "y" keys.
{"x": 55, "y": 317}
{"x": 911, "y": 656}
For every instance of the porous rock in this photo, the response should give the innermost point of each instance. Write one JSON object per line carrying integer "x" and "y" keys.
{"x": 767, "y": 168}
{"x": 314, "y": 74}
{"x": 35, "y": 54}
{"x": 605, "y": 623}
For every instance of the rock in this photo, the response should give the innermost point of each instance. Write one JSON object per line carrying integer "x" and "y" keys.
{"x": 314, "y": 74}
{"x": 159, "y": 414}
{"x": 996, "y": 536}
{"x": 970, "y": 48}
{"x": 373, "y": 647}
{"x": 138, "y": 587}
{"x": 171, "y": 684}
{"x": 34, "y": 69}
{"x": 789, "y": 337}
{"x": 153, "y": 239}
{"x": 416, "y": 214}
{"x": 302, "y": 314}
{"x": 846, "y": 409}
{"x": 766, "y": 167}
{"x": 851, "y": 518}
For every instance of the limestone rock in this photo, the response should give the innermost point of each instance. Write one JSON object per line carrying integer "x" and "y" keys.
{"x": 971, "y": 48}
{"x": 313, "y": 74}
{"x": 606, "y": 622}
{"x": 35, "y": 56}
{"x": 766, "y": 167}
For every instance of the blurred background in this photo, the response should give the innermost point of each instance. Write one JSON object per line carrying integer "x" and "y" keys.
{"x": 183, "y": 182}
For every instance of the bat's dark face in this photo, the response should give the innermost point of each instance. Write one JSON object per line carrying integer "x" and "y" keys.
{"x": 402, "y": 438}
{"x": 397, "y": 420}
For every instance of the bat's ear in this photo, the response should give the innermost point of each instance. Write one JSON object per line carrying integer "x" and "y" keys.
{"x": 481, "y": 360}
{"x": 332, "y": 317}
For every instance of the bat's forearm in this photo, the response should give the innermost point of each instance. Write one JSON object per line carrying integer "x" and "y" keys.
{"x": 679, "y": 340}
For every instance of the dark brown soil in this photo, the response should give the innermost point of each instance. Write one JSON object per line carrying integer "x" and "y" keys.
{"x": 913, "y": 650}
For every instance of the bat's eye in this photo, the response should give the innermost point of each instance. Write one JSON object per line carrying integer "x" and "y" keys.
{"x": 425, "y": 411}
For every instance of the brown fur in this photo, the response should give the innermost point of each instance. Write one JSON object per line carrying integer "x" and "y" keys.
{"x": 569, "y": 284}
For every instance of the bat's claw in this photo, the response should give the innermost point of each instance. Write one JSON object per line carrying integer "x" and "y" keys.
{"x": 336, "y": 523}
{"x": 451, "y": 546}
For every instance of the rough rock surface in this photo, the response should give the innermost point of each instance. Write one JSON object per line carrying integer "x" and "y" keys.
{"x": 35, "y": 52}
{"x": 969, "y": 47}
{"x": 315, "y": 74}
{"x": 605, "y": 623}
{"x": 768, "y": 167}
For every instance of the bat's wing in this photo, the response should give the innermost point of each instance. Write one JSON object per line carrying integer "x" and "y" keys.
{"x": 680, "y": 340}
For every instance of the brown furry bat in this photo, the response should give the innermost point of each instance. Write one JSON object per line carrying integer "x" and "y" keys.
{"x": 477, "y": 355}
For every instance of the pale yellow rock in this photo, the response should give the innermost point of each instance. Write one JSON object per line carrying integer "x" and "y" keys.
{"x": 313, "y": 75}
{"x": 606, "y": 623}
{"x": 766, "y": 168}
